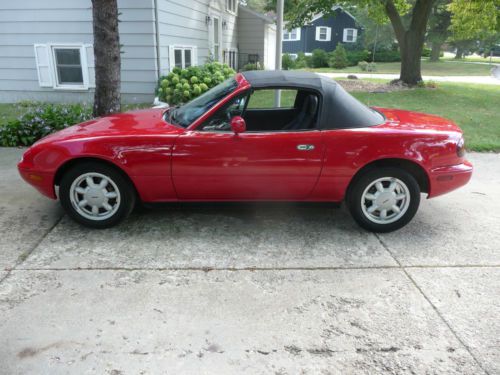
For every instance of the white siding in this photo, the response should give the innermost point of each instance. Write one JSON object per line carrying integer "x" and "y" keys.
{"x": 28, "y": 22}
{"x": 184, "y": 23}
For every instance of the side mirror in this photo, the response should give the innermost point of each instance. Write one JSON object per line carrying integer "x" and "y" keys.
{"x": 238, "y": 125}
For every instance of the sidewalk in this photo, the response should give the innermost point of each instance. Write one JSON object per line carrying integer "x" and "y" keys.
{"x": 483, "y": 80}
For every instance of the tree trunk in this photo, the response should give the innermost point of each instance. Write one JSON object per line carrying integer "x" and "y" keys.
{"x": 411, "y": 53}
{"x": 411, "y": 39}
{"x": 107, "y": 57}
{"x": 435, "y": 51}
{"x": 460, "y": 53}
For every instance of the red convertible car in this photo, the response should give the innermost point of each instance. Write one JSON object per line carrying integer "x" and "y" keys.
{"x": 321, "y": 144}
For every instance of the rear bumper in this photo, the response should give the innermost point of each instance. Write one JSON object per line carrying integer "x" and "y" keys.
{"x": 446, "y": 179}
{"x": 41, "y": 181}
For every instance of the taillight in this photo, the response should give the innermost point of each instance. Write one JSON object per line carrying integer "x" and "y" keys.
{"x": 461, "y": 148}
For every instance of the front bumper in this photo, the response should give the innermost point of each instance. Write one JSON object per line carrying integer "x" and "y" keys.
{"x": 42, "y": 181}
{"x": 446, "y": 179}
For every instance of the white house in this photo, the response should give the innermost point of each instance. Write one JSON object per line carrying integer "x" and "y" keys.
{"x": 46, "y": 50}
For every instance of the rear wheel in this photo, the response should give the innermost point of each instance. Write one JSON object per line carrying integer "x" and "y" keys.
{"x": 96, "y": 195}
{"x": 383, "y": 200}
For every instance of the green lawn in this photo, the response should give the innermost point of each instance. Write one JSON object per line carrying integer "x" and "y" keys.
{"x": 473, "y": 107}
{"x": 439, "y": 68}
{"x": 9, "y": 111}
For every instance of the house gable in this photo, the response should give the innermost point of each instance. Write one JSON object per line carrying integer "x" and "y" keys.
{"x": 331, "y": 33}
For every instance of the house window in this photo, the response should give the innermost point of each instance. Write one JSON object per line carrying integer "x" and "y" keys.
{"x": 291, "y": 35}
{"x": 182, "y": 56}
{"x": 68, "y": 64}
{"x": 230, "y": 58}
{"x": 323, "y": 33}
{"x": 65, "y": 66}
{"x": 231, "y": 5}
{"x": 350, "y": 35}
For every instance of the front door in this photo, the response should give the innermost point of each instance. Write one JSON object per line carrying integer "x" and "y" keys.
{"x": 215, "y": 37}
{"x": 248, "y": 166}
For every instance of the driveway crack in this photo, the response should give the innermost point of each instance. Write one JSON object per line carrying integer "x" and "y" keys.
{"x": 403, "y": 268}
{"x": 25, "y": 255}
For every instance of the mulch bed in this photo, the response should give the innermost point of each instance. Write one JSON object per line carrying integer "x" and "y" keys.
{"x": 353, "y": 85}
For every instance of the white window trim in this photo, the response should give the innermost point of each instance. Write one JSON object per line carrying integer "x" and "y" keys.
{"x": 354, "y": 35}
{"x": 228, "y": 8}
{"x": 194, "y": 55}
{"x": 83, "y": 62}
{"x": 289, "y": 33}
{"x": 328, "y": 36}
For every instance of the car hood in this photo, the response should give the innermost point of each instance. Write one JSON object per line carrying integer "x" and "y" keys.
{"x": 416, "y": 121}
{"x": 134, "y": 123}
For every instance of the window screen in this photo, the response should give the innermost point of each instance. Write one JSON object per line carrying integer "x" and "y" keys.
{"x": 68, "y": 66}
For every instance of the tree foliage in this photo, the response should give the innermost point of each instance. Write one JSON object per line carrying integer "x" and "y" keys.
{"x": 474, "y": 19}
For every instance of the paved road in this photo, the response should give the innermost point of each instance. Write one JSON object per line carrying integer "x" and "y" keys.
{"x": 494, "y": 79}
{"x": 254, "y": 289}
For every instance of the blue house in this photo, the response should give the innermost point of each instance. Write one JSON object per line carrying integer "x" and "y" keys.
{"x": 323, "y": 32}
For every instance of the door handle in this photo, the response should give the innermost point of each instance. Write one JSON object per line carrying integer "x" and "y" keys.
{"x": 305, "y": 147}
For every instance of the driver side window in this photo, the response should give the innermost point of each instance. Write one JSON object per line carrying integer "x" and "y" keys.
{"x": 220, "y": 121}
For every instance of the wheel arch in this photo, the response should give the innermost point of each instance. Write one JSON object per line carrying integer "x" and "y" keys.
{"x": 415, "y": 169}
{"x": 69, "y": 164}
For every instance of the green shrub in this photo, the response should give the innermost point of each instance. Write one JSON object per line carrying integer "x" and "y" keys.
{"x": 338, "y": 59}
{"x": 319, "y": 58}
{"x": 182, "y": 85}
{"x": 302, "y": 61}
{"x": 385, "y": 56}
{"x": 41, "y": 120}
{"x": 252, "y": 66}
{"x": 354, "y": 57}
{"x": 363, "y": 66}
{"x": 287, "y": 62}
{"x": 426, "y": 52}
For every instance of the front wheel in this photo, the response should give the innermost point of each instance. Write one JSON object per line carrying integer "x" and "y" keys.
{"x": 96, "y": 195}
{"x": 384, "y": 199}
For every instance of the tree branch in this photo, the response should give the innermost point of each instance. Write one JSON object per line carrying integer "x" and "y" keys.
{"x": 420, "y": 15}
{"x": 395, "y": 19}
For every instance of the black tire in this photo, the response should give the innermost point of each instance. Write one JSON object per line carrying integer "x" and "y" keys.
{"x": 122, "y": 207}
{"x": 363, "y": 181}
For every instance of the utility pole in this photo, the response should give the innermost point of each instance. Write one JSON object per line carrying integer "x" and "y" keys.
{"x": 279, "y": 45}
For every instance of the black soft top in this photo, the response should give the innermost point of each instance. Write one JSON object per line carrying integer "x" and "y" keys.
{"x": 339, "y": 110}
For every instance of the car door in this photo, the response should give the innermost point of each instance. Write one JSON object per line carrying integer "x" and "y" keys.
{"x": 214, "y": 163}
{"x": 248, "y": 166}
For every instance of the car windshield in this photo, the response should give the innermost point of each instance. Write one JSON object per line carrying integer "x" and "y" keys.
{"x": 190, "y": 111}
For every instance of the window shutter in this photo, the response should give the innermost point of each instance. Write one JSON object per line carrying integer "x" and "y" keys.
{"x": 43, "y": 65}
{"x": 344, "y": 37}
{"x": 194, "y": 56}
{"x": 171, "y": 58}
{"x": 354, "y": 35}
{"x": 328, "y": 33}
{"x": 317, "y": 33}
{"x": 89, "y": 53}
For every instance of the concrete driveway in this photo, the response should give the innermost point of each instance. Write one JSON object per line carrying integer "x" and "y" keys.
{"x": 253, "y": 289}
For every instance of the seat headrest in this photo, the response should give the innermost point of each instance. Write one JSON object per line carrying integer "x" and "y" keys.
{"x": 311, "y": 104}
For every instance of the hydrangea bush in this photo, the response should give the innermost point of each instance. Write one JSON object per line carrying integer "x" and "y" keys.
{"x": 182, "y": 85}
{"x": 39, "y": 120}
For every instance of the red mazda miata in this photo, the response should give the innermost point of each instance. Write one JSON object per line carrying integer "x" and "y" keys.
{"x": 228, "y": 144}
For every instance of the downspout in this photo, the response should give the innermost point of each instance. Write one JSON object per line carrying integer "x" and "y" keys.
{"x": 157, "y": 40}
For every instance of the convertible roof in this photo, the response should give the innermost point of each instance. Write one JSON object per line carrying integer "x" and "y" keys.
{"x": 286, "y": 78}
{"x": 339, "y": 109}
